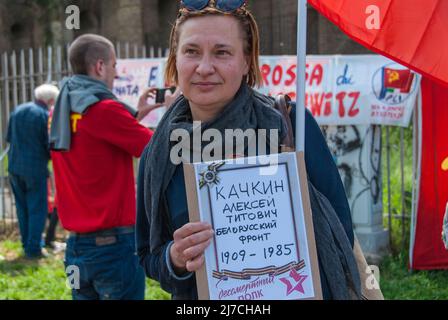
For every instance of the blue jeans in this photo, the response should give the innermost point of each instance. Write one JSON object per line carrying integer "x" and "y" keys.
{"x": 32, "y": 209}
{"x": 108, "y": 270}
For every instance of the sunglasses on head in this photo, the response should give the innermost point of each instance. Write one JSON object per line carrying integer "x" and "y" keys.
{"x": 221, "y": 5}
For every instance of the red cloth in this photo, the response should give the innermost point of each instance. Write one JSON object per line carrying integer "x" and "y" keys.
{"x": 413, "y": 33}
{"x": 429, "y": 251}
{"x": 95, "y": 179}
{"x": 398, "y": 79}
{"x": 51, "y": 192}
{"x": 51, "y": 197}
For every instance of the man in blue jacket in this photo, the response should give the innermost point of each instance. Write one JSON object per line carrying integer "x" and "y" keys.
{"x": 28, "y": 166}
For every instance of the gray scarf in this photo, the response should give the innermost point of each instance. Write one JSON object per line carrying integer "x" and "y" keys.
{"x": 336, "y": 259}
{"x": 77, "y": 94}
{"x": 249, "y": 110}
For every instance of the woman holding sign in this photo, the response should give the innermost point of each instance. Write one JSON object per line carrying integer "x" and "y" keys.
{"x": 214, "y": 50}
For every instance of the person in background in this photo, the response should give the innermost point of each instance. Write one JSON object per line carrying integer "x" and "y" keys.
{"x": 445, "y": 228}
{"x": 28, "y": 158}
{"x": 50, "y": 234}
{"x": 94, "y": 138}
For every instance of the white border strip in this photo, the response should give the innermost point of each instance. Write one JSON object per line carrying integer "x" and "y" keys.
{"x": 416, "y": 174}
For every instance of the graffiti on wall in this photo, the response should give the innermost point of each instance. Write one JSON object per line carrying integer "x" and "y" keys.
{"x": 357, "y": 153}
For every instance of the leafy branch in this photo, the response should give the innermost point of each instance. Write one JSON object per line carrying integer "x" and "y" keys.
{"x": 47, "y": 10}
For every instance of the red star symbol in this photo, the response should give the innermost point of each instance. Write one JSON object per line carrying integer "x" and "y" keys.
{"x": 298, "y": 278}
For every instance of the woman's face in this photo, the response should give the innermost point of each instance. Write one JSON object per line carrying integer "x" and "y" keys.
{"x": 210, "y": 62}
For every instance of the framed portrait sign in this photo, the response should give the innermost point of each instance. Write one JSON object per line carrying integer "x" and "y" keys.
{"x": 263, "y": 247}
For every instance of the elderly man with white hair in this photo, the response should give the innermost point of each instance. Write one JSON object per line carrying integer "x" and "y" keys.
{"x": 28, "y": 166}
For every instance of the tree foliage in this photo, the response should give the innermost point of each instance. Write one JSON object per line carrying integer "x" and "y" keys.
{"x": 47, "y": 9}
{"x": 50, "y": 5}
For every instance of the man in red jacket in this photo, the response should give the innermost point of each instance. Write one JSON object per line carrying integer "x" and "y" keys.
{"x": 94, "y": 138}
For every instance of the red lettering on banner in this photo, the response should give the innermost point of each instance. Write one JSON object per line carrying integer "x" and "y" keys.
{"x": 291, "y": 72}
{"x": 340, "y": 96}
{"x": 265, "y": 70}
{"x": 284, "y": 76}
{"x": 394, "y": 113}
{"x": 353, "y": 110}
{"x": 292, "y": 95}
{"x": 315, "y": 102}
{"x": 317, "y": 74}
{"x": 277, "y": 75}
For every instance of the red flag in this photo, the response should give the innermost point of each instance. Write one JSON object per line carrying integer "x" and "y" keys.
{"x": 429, "y": 251}
{"x": 398, "y": 79}
{"x": 413, "y": 33}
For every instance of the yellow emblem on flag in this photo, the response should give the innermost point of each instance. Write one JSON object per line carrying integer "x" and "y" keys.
{"x": 393, "y": 76}
{"x": 445, "y": 164}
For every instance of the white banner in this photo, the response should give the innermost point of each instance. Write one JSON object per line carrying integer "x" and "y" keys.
{"x": 347, "y": 90}
{"x": 340, "y": 90}
{"x": 136, "y": 75}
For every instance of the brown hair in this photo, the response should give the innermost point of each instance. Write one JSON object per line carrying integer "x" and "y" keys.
{"x": 250, "y": 34}
{"x": 86, "y": 50}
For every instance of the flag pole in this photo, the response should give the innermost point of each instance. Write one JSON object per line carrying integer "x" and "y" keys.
{"x": 301, "y": 65}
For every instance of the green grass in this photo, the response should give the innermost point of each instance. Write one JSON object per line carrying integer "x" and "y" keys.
{"x": 398, "y": 283}
{"x": 400, "y": 239}
{"x": 45, "y": 279}
{"x": 21, "y": 279}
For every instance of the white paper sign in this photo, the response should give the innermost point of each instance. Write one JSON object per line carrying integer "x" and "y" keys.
{"x": 135, "y": 76}
{"x": 260, "y": 249}
{"x": 340, "y": 89}
{"x": 347, "y": 89}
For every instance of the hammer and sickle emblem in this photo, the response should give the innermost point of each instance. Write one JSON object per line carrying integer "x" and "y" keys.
{"x": 393, "y": 76}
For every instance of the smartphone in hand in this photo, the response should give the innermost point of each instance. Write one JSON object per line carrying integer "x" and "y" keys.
{"x": 160, "y": 94}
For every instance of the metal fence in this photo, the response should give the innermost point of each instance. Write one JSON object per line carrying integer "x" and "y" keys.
{"x": 399, "y": 154}
{"x": 22, "y": 71}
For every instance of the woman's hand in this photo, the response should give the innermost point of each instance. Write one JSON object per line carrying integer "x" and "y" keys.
{"x": 190, "y": 242}
{"x": 144, "y": 107}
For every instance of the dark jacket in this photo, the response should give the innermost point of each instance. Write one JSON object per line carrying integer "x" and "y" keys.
{"x": 322, "y": 173}
{"x": 28, "y": 138}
